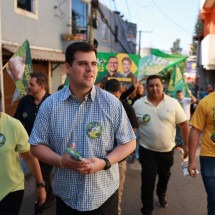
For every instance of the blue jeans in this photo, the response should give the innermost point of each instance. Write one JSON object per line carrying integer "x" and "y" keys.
{"x": 208, "y": 177}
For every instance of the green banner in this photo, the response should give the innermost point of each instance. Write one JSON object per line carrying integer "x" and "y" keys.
{"x": 19, "y": 68}
{"x": 103, "y": 60}
{"x": 156, "y": 62}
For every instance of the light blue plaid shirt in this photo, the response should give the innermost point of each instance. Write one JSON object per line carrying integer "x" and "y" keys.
{"x": 96, "y": 126}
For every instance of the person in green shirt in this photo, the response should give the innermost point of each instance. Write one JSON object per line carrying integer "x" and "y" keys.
{"x": 13, "y": 146}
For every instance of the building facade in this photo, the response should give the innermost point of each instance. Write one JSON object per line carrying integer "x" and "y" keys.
{"x": 206, "y": 54}
{"x": 50, "y": 26}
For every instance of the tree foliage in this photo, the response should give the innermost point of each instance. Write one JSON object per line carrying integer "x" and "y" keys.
{"x": 176, "y": 49}
{"x": 198, "y": 32}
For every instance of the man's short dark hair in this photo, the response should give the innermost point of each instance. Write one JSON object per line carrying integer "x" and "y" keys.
{"x": 179, "y": 91}
{"x": 151, "y": 77}
{"x": 112, "y": 85}
{"x": 42, "y": 79}
{"x": 75, "y": 47}
{"x": 115, "y": 57}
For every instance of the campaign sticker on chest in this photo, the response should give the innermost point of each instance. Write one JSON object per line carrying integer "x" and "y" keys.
{"x": 2, "y": 139}
{"x": 94, "y": 130}
{"x": 24, "y": 115}
{"x": 213, "y": 137}
{"x": 146, "y": 118}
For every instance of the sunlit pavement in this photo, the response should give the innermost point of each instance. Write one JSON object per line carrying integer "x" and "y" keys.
{"x": 185, "y": 195}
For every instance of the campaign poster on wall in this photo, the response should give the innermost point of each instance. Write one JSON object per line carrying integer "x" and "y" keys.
{"x": 127, "y": 67}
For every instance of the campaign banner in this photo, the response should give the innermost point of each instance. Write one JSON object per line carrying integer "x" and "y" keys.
{"x": 127, "y": 67}
{"x": 156, "y": 62}
{"x": 19, "y": 68}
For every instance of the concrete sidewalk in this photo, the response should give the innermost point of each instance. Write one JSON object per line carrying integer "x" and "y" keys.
{"x": 186, "y": 195}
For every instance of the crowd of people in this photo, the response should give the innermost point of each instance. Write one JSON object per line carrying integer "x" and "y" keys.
{"x": 103, "y": 125}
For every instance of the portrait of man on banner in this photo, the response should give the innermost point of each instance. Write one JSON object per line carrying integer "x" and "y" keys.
{"x": 16, "y": 67}
{"x": 19, "y": 68}
{"x": 120, "y": 66}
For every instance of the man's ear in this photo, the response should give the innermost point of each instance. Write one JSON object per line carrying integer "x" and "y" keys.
{"x": 67, "y": 68}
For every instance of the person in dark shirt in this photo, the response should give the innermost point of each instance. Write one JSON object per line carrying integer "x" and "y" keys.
{"x": 114, "y": 87}
{"x": 26, "y": 112}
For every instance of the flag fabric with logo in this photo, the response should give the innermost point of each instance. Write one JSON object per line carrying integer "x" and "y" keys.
{"x": 177, "y": 82}
{"x": 19, "y": 68}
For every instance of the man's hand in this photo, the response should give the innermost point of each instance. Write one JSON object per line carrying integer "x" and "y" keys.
{"x": 192, "y": 169}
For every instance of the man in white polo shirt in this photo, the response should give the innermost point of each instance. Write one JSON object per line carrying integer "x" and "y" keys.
{"x": 157, "y": 115}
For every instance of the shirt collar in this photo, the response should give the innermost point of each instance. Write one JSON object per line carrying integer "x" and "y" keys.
{"x": 67, "y": 94}
{"x": 147, "y": 101}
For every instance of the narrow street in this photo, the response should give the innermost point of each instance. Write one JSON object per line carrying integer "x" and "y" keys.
{"x": 185, "y": 195}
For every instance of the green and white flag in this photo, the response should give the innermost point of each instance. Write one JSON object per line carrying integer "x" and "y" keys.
{"x": 177, "y": 83}
{"x": 156, "y": 62}
{"x": 19, "y": 68}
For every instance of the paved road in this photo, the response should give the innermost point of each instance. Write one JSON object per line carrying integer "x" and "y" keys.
{"x": 186, "y": 195}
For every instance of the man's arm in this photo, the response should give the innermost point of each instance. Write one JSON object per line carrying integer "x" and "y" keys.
{"x": 34, "y": 166}
{"x": 185, "y": 131}
{"x": 192, "y": 145}
{"x": 193, "y": 98}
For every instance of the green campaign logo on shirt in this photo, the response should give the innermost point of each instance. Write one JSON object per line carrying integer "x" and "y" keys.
{"x": 24, "y": 115}
{"x": 2, "y": 139}
{"x": 146, "y": 118}
{"x": 94, "y": 130}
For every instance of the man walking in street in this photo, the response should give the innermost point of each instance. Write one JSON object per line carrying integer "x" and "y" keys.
{"x": 26, "y": 112}
{"x": 157, "y": 115}
{"x": 202, "y": 122}
{"x": 92, "y": 122}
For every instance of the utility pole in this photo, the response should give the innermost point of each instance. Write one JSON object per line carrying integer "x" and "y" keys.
{"x": 140, "y": 34}
{"x": 93, "y": 20}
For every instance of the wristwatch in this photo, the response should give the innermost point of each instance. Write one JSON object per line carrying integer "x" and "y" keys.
{"x": 41, "y": 184}
{"x": 107, "y": 162}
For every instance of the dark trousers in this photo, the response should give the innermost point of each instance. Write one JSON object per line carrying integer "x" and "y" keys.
{"x": 153, "y": 164}
{"x": 11, "y": 204}
{"x": 110, "y": 207}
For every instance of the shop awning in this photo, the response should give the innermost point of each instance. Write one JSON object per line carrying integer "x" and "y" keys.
{"x": 39, "y": 54}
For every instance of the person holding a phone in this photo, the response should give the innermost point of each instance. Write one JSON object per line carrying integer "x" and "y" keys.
{"x": 94, "y": 124}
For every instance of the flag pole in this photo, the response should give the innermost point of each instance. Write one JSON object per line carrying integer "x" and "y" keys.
{"x": 2, "y": 104}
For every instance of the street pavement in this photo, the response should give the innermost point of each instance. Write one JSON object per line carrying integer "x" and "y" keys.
{"x": 185, "y": 195}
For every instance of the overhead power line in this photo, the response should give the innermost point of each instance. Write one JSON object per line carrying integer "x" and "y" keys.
{"x": 171, "y": 20}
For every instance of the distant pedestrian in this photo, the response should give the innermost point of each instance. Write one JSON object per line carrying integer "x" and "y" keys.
{"x": 157, "y": 115}
{"x": 94, "y": 123}
{"x": 202, "y": 123}
{"x": 185, "y": 102}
